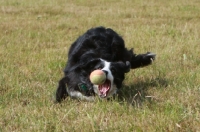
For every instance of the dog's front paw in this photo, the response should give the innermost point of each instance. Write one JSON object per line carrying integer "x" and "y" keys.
{"x": 149, "y": 57}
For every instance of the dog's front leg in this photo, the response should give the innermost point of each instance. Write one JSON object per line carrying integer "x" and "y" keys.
{"x": 61, "y": 92}
{"x": 142, "y": 60}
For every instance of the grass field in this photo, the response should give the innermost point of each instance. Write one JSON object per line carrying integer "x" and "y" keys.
{"x": 35, "y": 36}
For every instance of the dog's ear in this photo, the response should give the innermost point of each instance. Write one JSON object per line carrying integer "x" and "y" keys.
{"x": 123, "y": 67}
{"x": 127, "y": 67}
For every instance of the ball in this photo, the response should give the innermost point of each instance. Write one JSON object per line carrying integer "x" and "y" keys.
{"x": 97, "y": 77}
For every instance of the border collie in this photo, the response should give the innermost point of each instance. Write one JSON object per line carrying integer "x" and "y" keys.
{"x": 98, "y": 48}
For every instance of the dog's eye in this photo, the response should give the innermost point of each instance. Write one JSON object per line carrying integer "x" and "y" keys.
{"x": 98, "y": 67}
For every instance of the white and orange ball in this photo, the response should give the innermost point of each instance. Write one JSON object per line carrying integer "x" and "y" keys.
{"x": 97, "y": 77}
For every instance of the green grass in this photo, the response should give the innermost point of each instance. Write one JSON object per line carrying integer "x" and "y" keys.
{"x": 34, "y": 40}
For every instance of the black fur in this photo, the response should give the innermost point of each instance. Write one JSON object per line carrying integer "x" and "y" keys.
{"x": 86, "y": 53}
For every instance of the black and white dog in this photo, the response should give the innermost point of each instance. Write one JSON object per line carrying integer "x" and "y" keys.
{"x": 98, "y": 48}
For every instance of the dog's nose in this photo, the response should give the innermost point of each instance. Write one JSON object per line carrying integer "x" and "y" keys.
{"x": 106, "y": 72}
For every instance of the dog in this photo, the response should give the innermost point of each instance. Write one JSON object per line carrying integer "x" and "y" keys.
{"x": 99, "y": 48}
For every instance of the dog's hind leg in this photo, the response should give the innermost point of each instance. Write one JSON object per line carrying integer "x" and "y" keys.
{"x": 61, "y": 92}
{"x": 142, "y": 60}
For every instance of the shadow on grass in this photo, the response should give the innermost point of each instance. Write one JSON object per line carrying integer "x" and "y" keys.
{"x": 135, "y": 94}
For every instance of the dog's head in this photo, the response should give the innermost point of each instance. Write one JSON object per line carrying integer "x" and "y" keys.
{"x": 115, "y": 72}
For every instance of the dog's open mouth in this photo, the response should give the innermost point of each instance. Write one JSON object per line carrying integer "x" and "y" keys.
{"x": 104, "y": 88}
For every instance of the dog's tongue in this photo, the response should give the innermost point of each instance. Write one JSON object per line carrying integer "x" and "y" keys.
{"x": 103, "y": 88}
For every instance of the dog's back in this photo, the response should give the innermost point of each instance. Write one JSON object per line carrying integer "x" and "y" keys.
{"x": 98, "y": 43}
